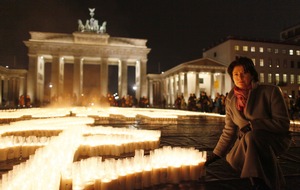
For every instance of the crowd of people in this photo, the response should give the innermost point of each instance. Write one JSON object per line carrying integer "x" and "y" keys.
{"x": 95, "y": 100}
{"x": 203, "y": 103}
{"x": 293, "y": 106}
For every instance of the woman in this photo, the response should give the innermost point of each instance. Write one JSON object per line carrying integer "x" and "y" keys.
{"x": 256, "y": 128}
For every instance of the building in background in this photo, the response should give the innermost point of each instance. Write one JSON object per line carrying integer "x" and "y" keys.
{"x": 61, "y": 62}
{"x": 193, "y": 77}
{"x": 12, "y": 86}
{"x": 277, "y": 62}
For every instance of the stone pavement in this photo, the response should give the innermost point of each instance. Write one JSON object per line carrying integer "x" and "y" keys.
{"x": 203, "y": 135}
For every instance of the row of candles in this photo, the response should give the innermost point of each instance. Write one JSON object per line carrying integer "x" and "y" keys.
{"x": 95, "y": 141}
{"x": 99, "y": 112}
{"x": 161, "y": 166}
{"x": 57, "y": 152}
{"x": 52, "y": 165}
{"x": 43, "y": 169}
{"x": 24, "y": 148}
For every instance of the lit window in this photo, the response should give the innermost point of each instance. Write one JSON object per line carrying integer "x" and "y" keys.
{"x": 277, "y": 63}
{"x": 237, "y": 48}
{"x": 269, "y": 78}
{"x": 298, "y": 79}
{"x": 297, "y": 52}
{"x": 277, "y": 78}
{"x": 253, "y": 60}
{"x": 291, "y": 52}
{"x": 261, "y": 49}
{"x": 252, "y": 49}
{"x": 261, "y": 62}
{"x": 284, "y": 78}
{"x": 292, "y": 77}
{"x": 269, "y": 50}
{"x": 245, "y": 48}
{"x": 262, "y": 77}
{"x": 276, "y": 51}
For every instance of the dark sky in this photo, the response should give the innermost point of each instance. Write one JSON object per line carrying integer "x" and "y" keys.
{"x": 176, "y": 30}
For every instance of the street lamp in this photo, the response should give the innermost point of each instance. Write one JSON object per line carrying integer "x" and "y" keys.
{"x": 134, "y": 87}
{"x": 50, "y": 90}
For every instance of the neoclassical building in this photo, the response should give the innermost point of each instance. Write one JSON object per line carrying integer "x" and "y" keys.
{"x": 77, "y": 50}
{"x": 191, "y": 77}
{"x": 12, "y": 85}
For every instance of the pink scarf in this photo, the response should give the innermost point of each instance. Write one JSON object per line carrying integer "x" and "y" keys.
{"x": 241, "y": 97}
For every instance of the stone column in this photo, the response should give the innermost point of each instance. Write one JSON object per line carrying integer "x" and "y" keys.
{"x": 5, "y": 89}
{"x": 1, "y": 79}
{"x": 151, "y": 92}
{"x": 22, "y": 86}
{"x": 141, "y": 78}
{"x": 180, "y": 84}
{"x": 222, "y": 83}
{"x": 61, "y": 76}
{"x": 78, "y": 76}
{"x": 54, "y": 77}
{"x": 185, "y": 86}
{"x": 13, "y": 89}
{"x": 57, "y": 76}
{"x": 123, "y": 78}
{"x": 197, "y": 88}
{"x": 174, "y": 89}
{"x": 212, "y": 85}
{"x": 32, "y": 77}
{"x": 104, "y": 77}
{"x": 41, "y": 80}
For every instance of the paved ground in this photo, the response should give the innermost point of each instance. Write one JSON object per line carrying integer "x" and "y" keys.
{"x": 203, "y": 136}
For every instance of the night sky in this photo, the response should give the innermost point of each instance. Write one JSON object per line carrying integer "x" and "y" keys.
{"x": 177, "y": 30}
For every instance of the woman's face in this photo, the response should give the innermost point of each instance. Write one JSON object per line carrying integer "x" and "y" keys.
{"x": 240, "y": 78}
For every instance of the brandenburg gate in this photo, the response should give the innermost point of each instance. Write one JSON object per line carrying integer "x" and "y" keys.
{"x": 89, "y": 45}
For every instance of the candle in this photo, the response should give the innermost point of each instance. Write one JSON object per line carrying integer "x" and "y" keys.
{"x": 105, "y": 184}
{"x": 146, "y": 178}
{"x": 3, "y": 153}
{"x": 185, "y": 171}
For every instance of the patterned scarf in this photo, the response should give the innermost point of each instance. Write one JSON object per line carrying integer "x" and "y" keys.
{"x": 241, "y": 97}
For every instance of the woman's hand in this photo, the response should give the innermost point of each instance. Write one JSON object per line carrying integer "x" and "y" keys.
{"x": 212, "y": 158}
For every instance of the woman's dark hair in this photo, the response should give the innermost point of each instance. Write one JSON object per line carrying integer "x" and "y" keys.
{"x": 247, "y": 64}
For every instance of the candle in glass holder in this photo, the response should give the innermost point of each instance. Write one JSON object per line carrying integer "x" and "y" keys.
{"x": 163, "y": 174}
{"x": 195, "y": 171}
{"x": 130, "y": 181}
{"x": 155, "y": 176}
{"x": 185, "y": 172}
{"x": 174, "y": 174}
{"x": 3, "y": 153}
{"x": 138, "y": 179}
{"x": 105, "y": 184}
{"x": 146, "y": 178}
{"x": 11, "y": 153}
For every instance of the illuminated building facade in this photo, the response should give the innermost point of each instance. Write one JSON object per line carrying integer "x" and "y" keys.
{"x": 12, "y": 86}
{"x": 277, "y": 62}
{"x": 187, "y": 78}
{"x": 76, "y": 51}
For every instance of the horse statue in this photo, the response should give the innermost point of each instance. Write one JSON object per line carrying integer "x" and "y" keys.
{"x": 87, "y": 26}
{"x": 80, "y": 26}
{"x": 95, "y": 26}
{"x": 103, "y": 28}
